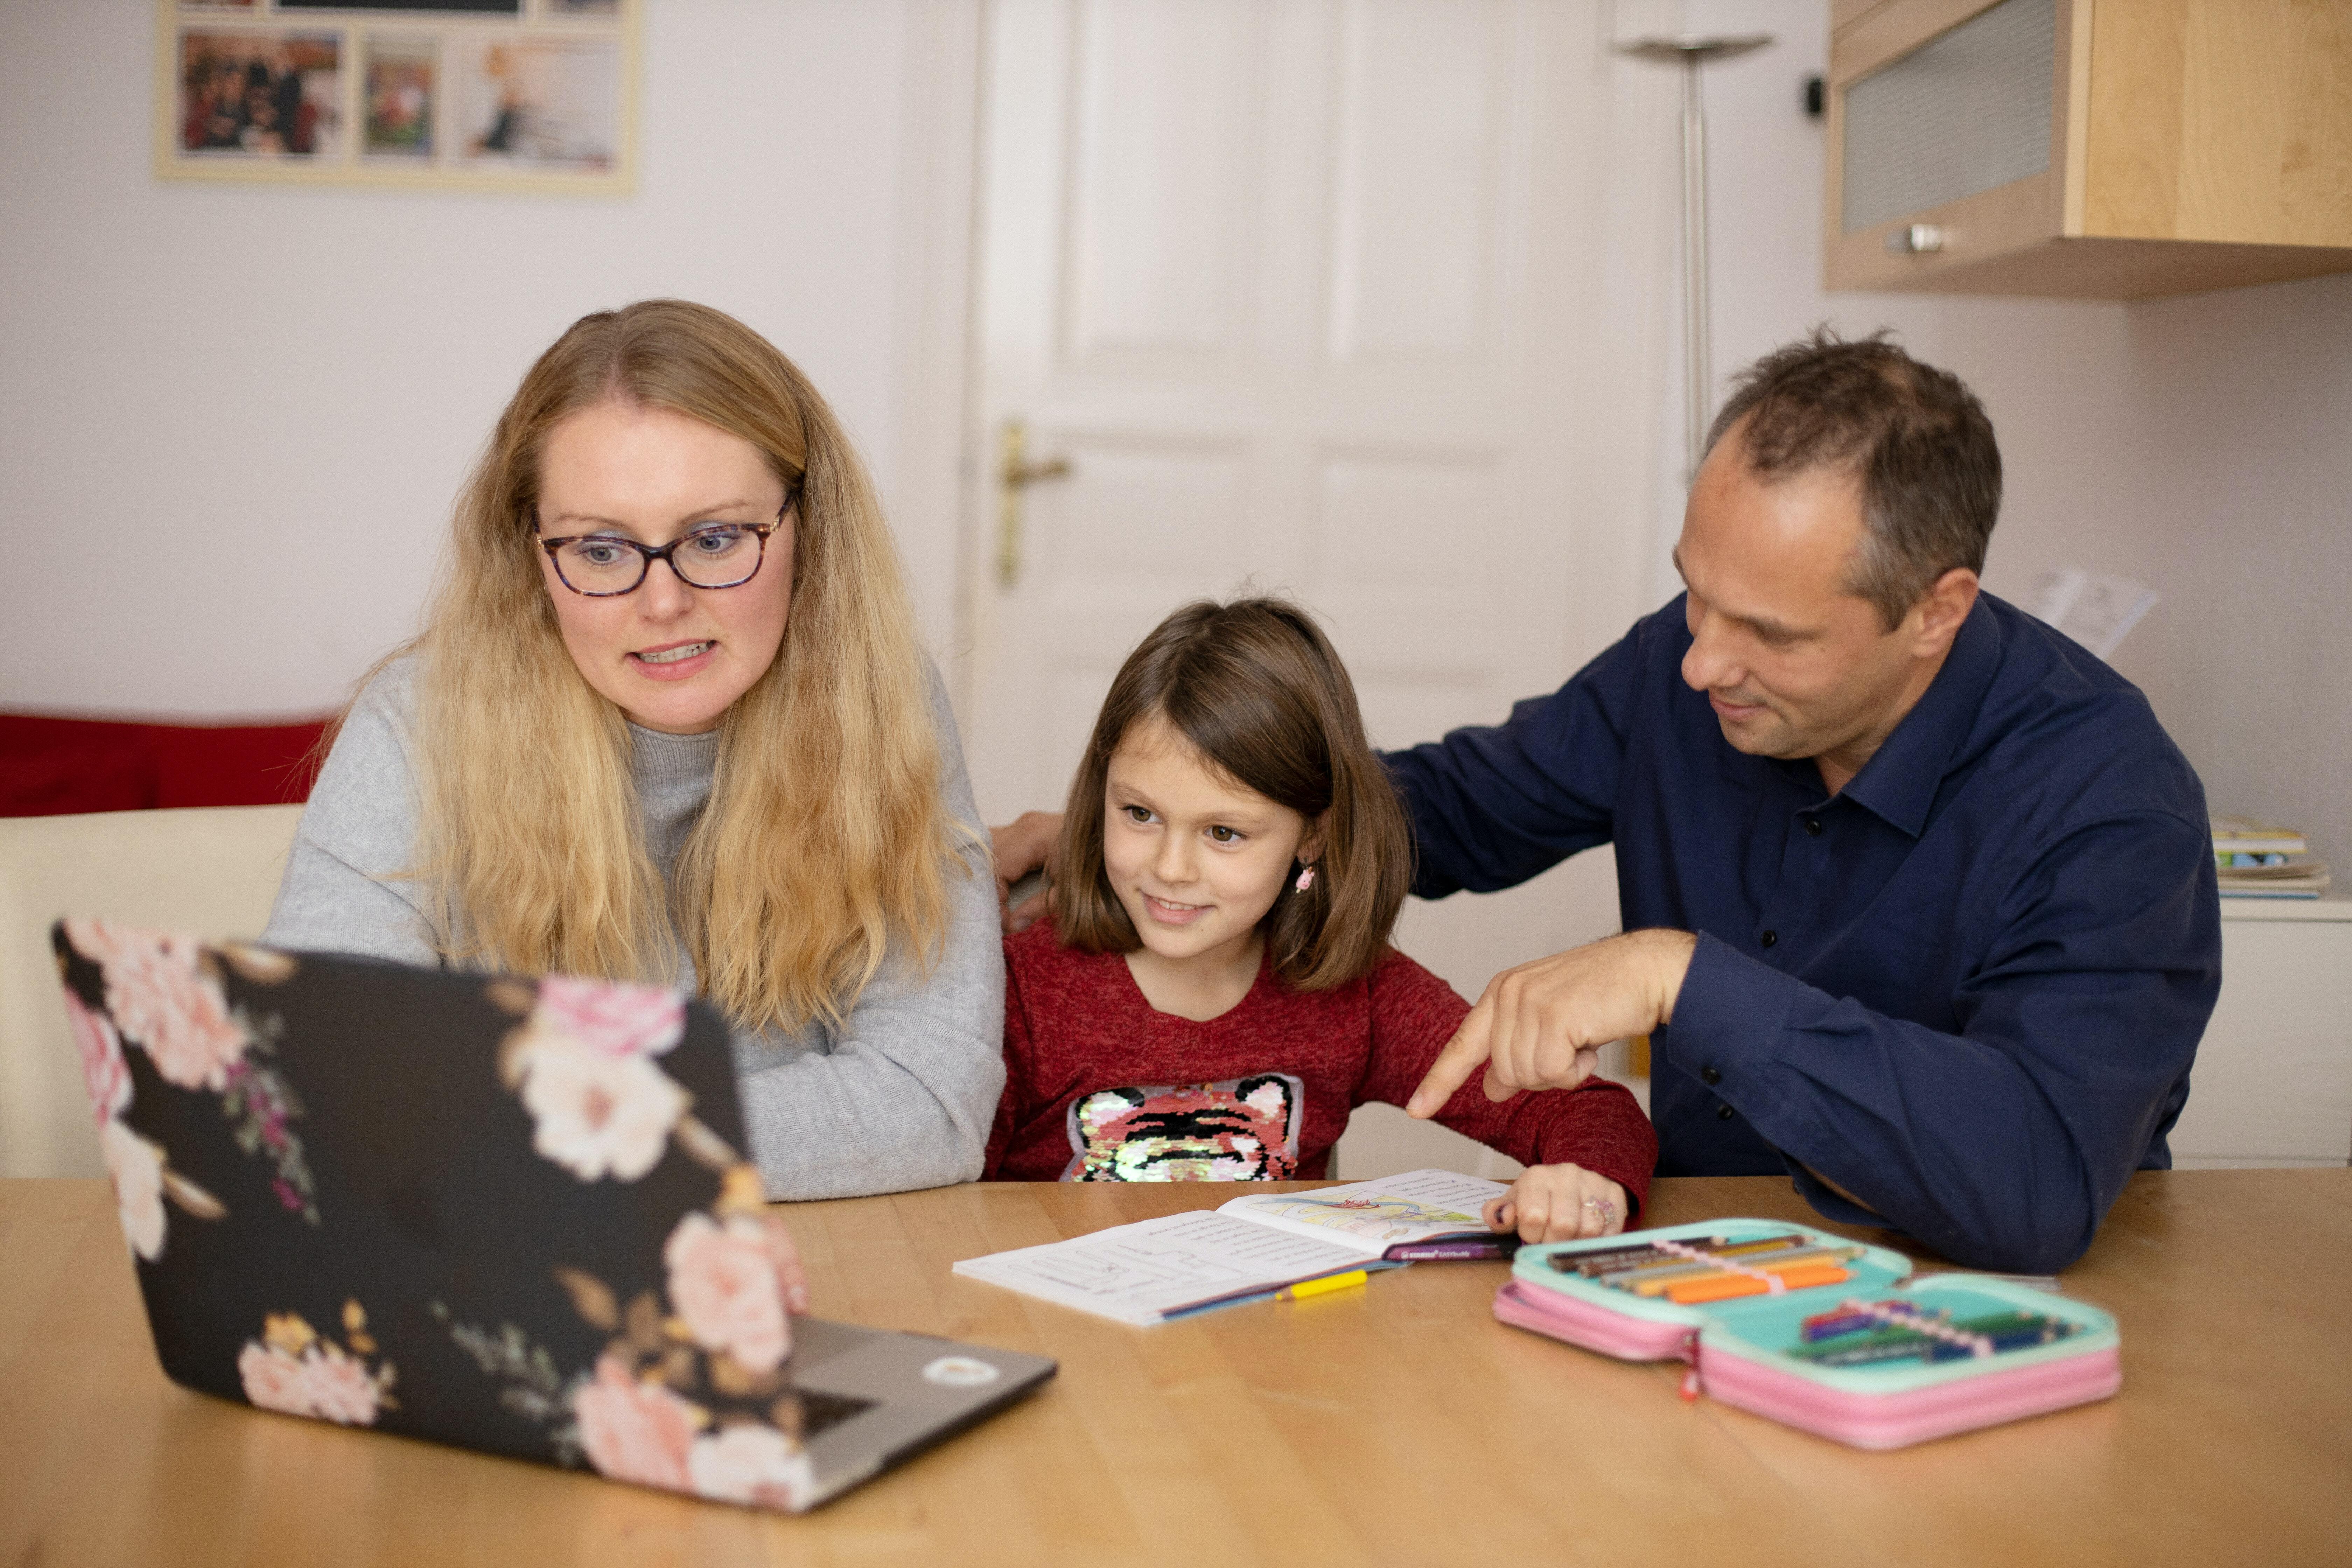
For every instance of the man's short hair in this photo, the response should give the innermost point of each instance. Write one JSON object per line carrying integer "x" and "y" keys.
{"x": 1915, "y": 437}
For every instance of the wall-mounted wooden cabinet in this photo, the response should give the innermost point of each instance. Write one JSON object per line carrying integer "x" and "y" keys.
{"x": 2106, "y": 149}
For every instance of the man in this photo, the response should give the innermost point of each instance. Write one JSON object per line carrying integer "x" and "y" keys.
{"x": 1919, "y": 897}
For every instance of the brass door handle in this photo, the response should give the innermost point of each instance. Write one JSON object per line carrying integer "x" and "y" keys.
{"x": 1015, "y": 473}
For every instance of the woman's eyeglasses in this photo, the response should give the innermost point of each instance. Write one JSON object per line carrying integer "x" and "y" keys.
{"x": 715, "y": 555}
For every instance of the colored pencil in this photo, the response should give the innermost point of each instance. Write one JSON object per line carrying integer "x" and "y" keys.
{"x": 1661, "y": 1282}
{"x": 1725, "y": 1287}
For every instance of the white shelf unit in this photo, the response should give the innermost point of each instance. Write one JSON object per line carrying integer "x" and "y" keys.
{"x": 2272, "y": 1083}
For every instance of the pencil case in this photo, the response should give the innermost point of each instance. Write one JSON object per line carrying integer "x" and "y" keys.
{"x": 1871, "y": 1358}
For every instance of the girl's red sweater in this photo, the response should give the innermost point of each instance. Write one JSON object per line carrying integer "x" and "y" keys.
{"x": 1100, "y": 1087}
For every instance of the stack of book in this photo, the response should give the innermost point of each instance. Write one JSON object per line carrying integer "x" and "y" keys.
{"x": 2258, "y": 860}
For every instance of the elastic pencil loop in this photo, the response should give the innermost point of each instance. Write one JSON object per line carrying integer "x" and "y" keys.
{"x": 1909, "y": 1317}
{"x": 1773, "y": 1284}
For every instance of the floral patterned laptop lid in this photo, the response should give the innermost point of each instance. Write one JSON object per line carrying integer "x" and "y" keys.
{"x": 504, "y": 1214}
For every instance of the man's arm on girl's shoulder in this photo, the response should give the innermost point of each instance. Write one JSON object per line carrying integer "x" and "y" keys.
{"x": 1597, "y": 1124}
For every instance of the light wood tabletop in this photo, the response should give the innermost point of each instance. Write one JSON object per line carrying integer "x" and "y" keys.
{"x": 1398, "y": 1423}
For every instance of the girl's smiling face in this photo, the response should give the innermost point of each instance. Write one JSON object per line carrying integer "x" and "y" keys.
{"x": 1196, "y": 858}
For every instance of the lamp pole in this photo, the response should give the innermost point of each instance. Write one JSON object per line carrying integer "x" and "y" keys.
{"x": 1691, "y": 51}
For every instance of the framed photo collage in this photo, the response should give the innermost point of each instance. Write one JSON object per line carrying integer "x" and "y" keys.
{"x": 452, "y": 94}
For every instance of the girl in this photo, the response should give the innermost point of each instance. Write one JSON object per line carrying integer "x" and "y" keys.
{"x": 1214, "y": 990}
{"x": 668, "y": 720}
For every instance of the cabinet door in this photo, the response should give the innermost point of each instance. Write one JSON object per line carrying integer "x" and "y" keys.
{"x": 1953, "y": 115}
{"x": 2272, "y": 1083}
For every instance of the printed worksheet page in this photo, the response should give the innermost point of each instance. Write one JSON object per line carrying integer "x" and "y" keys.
{"x": 1375, "y": 1215}
{"x": 1137, "y": 1273}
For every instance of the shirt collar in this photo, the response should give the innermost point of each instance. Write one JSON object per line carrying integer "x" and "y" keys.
{"x": 1898, "y": 784}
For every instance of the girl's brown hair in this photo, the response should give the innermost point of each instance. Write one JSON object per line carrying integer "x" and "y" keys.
{"x": 1256, "y": 686}
{"x": 826, "y": 839}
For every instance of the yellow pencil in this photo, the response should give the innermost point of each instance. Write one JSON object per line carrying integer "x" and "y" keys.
{"x": 1330, "y": 1282}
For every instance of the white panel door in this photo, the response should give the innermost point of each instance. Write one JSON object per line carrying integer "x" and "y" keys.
{"x": 1298, "y": 290}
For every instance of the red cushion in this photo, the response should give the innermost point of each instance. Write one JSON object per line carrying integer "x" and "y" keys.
{"x": 50, "y": 766}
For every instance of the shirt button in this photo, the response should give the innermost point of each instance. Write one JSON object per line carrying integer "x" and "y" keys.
{"x": 1771, "y": 937}
{"x": 1723, "y": 1112}
{"x": 1812, "y": 827}
{"x": 1708, "y": 1075}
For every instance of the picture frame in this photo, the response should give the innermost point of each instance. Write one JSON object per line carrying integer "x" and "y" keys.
{"x": 507, "y": 95}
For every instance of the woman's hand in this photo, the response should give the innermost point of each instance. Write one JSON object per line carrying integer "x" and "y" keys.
{"x": 1022, "y": 846}
{"x": 791, "y": 1275}
{"x": 1559, "y": 1202}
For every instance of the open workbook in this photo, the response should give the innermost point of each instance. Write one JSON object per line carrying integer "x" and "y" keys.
{"x": 1251, "y": 1247}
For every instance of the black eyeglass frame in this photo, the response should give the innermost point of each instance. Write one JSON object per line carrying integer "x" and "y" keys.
{"x": 649, "y": 553}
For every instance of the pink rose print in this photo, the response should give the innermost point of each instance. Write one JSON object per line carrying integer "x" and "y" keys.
{"x": 597, "y": 1114}
{"x": 753, "y": 1464}
{"x": 136, "y": 1168}
{"x": 583, "y": 1062}
{"x": 103, "y": 1072}
{"x": 322, "y": 1382}
{"x": 634, "y": 1431}
{"x": 339, "y": 1389}
{"x": 273, "y": 1379}
{"x": 622, "y": 1020}
{"x": 161, "y": 1000}
{"x": 723, "y": 1283}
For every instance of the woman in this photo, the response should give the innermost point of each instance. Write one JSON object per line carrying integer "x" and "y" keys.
{"x": 669, "y": 721}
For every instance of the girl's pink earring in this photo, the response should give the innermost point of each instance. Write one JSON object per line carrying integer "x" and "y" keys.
{"x": 1306, "y": 879}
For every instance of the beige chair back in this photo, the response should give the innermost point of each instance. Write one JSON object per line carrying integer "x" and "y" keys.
{"x": 212, "y": 871}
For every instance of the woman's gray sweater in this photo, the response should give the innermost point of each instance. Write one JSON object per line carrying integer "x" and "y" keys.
{"x": 901, "y": 1096}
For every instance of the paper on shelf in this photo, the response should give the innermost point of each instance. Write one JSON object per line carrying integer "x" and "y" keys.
{"x": 2097, "y": 610}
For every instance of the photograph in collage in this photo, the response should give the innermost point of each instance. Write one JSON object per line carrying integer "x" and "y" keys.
{"x": 403, "y": 73}
{"x": 261, "y": 95}
{"x": 551, "y": 101}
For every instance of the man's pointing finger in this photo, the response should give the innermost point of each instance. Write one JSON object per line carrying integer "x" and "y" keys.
{"x": 1462, "y": 1056}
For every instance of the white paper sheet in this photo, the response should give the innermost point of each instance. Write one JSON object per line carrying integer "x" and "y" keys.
{"x": 1137, "y": 1273}
{"x": 2095, "y": 609}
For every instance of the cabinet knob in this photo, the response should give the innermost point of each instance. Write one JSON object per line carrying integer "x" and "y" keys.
{"x": 1915, "y": 239}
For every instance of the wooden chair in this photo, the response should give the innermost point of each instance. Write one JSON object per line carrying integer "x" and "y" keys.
{"x": 211, "y": 870}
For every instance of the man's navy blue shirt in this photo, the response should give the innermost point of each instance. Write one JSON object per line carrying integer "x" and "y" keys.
{"x": 1966, "y": 989}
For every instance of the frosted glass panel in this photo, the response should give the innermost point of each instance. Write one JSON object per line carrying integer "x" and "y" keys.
{"x": 1963, "y": 114}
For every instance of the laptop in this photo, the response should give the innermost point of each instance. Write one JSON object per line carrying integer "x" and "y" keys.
{"x": 512, "y": 1215}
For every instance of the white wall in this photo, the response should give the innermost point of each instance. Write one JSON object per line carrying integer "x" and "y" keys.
{"x": 232, "y": 419}
{"x": 2201, "y": 443}
{"x": 2236, "y": 501}
{"x": 268, "y": 396}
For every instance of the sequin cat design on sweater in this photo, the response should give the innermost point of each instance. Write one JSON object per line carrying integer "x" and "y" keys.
{"x": 1243, "y": 1129}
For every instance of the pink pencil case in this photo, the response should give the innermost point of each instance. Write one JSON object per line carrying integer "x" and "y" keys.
{"x": 1740, "y": 1350}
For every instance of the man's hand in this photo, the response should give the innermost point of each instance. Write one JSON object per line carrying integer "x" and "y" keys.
{"x": 1022, "y": 846}
{"x": 1558, "y": 1203}
{"x": 1541, "y": 1026}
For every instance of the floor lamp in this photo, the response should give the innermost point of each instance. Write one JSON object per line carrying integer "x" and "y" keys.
{"x": 1690, "y": 51}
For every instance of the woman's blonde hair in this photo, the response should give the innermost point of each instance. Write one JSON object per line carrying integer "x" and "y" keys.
{"x": 825, "y": 839}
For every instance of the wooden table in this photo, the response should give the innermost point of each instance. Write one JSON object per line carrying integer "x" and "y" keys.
{"x": 1394, "y": 1424}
